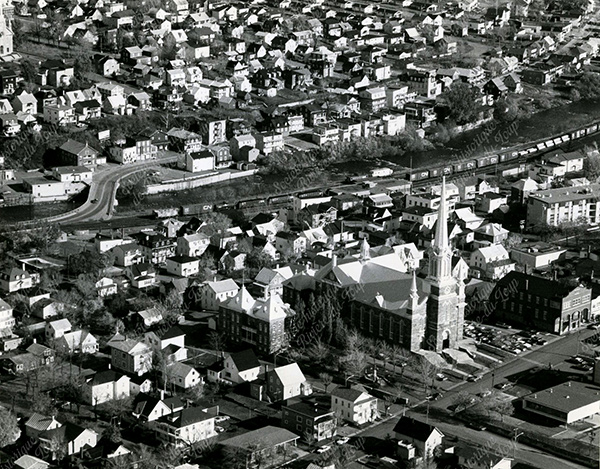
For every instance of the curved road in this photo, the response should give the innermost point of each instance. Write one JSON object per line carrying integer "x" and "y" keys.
{"x": 103, "y": 189}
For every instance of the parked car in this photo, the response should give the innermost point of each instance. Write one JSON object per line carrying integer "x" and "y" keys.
{"x": 441, "y": 377}
{"x": 504, "y": 386}
{"x": 583, "y": 367}
{"x": 323, "y": 449}
{"x": 593, "y": 326}
{"x": 219, "y": 429}
{"x": 435, "y": 396}
{"x": 473, "y": 378}
{"x": 222, "y": 418}
{"x": 485, "y": 393}
{"x": 343, "y": 441}
{"x": 476, "y": 426}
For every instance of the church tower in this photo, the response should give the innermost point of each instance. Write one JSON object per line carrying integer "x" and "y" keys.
{"x": 445, "y": 306}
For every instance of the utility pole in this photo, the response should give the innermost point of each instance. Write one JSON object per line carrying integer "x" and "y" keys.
{"x": 517, "y": 435}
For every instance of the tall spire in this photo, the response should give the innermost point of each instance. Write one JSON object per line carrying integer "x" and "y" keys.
{"x": 441, "y": 232}
{"x": 414, "y": 292}
{"x": 441, "y": 255}
{"x": 365, "y": 249}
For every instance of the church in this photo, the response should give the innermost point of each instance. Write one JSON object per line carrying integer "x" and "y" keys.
{"x": 388, "y": 302}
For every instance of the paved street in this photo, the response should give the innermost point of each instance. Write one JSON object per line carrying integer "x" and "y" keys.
{"x": 553, "y": 353}
{"x": 490, "y": 443}
{"x": 103, "y": 190}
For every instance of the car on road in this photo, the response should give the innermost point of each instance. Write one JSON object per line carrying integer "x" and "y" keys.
{"x": 477, "y": 426}
{"x": 504, "y": 386}
{"x": 323, "y": 449}
{"x": 342, "y": 441}
{"x": 94, "y": 201}
{"x": 473, "y": 378}
{"x": 583, "y": 367}
{"x": 435, "y": 396}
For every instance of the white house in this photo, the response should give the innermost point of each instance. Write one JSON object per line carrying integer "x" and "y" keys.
{"x": 187, "y": 427}
{"x": 241, "y": 367}
{"x": 192, "y": 245}
{"x": 491, "y": 262}
{"x": 424, "y": 437}
{"x": 211, "y": 294}
{"x": 182, "y": 376}
{"x": 7, "y": 320}
{"x": 130, "y": 355}
{"x": 183, "y": 266}
{"x": 354, "y": 405}
{"x": 105, "y": 386}
{"x": 56, "y": 329}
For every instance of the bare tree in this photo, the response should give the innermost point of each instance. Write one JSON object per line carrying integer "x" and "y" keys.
{"x": 462, "y": 400}
{"x": 327, "y": 380}
{"x": 502, "y": 408}
{"x": 217, "y": 342}
{"x": 426, "y": 370}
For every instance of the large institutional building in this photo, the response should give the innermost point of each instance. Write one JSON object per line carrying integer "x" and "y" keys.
{"x": 409, "y": 311}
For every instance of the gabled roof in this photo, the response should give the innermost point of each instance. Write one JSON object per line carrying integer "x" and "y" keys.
{"x": 67, "y": 433}
{"x": 40, "y": 422}
{"x": 242, "y": 301}
{"x": 187, "y": 417}
{"x": 222, "y": 286}
{"x": 414, "y": 428}
{"x": 350, "y": 394}
{"x": 103, "y": 377}
{"x": 245, "y": 360}
{"x": 290, "y": 375}
{"x": 30, "y": 462}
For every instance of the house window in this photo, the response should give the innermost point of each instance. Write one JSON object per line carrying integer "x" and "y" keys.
{"x": 298, "y": 419}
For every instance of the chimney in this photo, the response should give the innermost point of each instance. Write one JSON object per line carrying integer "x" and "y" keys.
{"x": 526, "y": 284}
{"x": 34, "y": 340}
{"x": 555, "y": 275}
{"x": 109, "y": 366}
{"x": 162, "y": 395}
{"x": 334, "y": 260}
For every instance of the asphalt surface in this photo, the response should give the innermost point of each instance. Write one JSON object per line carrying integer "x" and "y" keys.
{"x": 554, "y": 353}
{"x": 103, "y": 190}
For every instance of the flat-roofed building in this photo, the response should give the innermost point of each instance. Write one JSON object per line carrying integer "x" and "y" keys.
{"x": 567, "y": 403}
{"x": 563, "y": 205}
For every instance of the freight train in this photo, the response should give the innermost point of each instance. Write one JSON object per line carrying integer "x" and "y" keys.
{"x": 421, "y": 174}
{"x": 279, "y": 201}
{"x": 270, "y": 203}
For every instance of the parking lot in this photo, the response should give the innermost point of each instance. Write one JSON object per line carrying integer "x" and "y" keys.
{"x": 509, "y": 340}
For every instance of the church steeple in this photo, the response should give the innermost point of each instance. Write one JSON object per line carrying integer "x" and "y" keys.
{"x": 365, "y": 250}
{"x": 441, "y": 231}
{"x": 441, "y": 255}
{"x": 414, "y": 292}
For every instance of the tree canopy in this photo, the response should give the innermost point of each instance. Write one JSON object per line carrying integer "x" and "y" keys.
{"x": 462, "y": 98}
{"x": 588, "y": 85}
{"x": 9, "y": 428}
